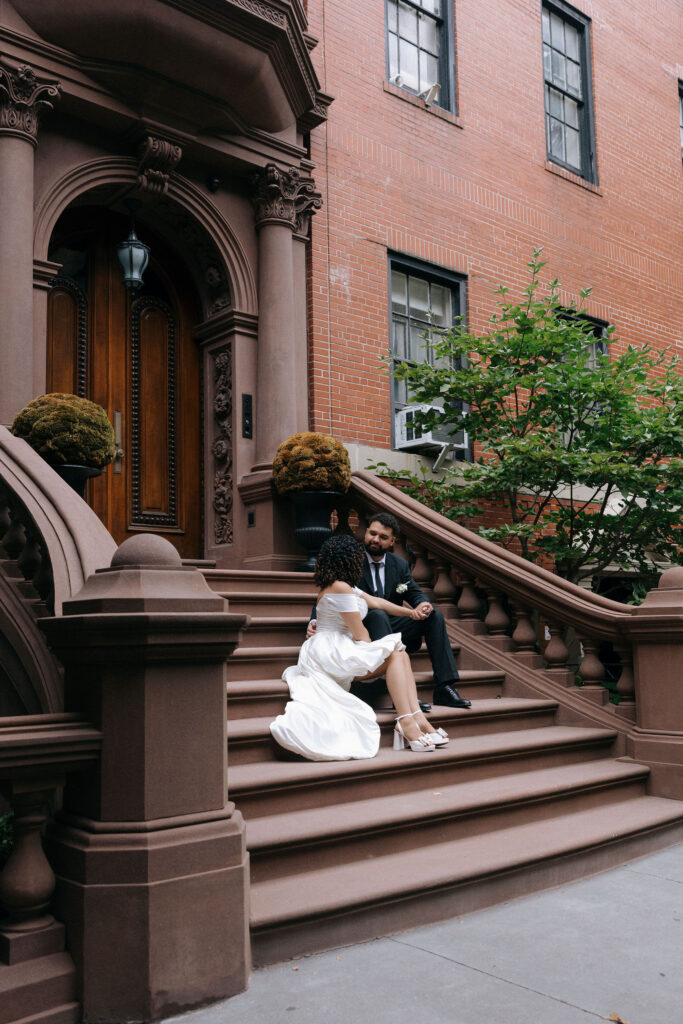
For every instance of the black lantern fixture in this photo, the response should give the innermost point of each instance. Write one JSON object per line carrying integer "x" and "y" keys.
{"x": 133, "y": 254}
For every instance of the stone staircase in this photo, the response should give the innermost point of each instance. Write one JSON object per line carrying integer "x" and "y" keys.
{"x": 523, "y": 797}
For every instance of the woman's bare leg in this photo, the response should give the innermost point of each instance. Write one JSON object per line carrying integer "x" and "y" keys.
{"x": 403, "y": 692}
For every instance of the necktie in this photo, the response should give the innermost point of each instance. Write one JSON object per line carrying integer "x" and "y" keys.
{"x": 378, "y": 581}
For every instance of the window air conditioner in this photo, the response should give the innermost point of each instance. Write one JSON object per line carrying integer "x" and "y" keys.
{"x": 410, "y": 437}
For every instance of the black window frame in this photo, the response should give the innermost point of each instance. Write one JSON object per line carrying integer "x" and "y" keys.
{"x": 680, "y": 112}
{"x": 446, "y": 98}
{"x": 457, "y": 286}
{"x": 586, "y": 118}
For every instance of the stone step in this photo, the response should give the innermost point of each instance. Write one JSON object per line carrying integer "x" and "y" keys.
{"x": 250, "y": 661}
{"x": 43, "y": 989}
{"x": 250, "y": 741}
{"x": 289, "y": 843}
{"x": 268, "y": 583}
{"x": 328, "y": 907}
{"x": 298, "y": 604}
{"x": 258, "y": 698}
{"x": 266, "y": 787}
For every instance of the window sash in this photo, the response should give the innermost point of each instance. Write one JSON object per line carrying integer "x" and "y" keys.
{"x": 568, "y": 119}
{"x": 420, "y": 59}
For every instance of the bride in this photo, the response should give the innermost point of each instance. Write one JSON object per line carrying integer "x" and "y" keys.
{"x": 323, "y": 721}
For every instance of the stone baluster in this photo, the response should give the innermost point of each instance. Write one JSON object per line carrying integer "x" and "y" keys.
{"x": 43, "y": 580}
{"x": 29, "y": 559}
{"x": 15, "y": 537}
{"x": 469, "y": 606}
{"x": 524, "y": 638}
{"x": 343, "y": 513}
{"x": 444, "y": 590}
{"x": 27, "y": 881}
{"x": 592, "y": 672}
{"x": 556, "y": 654}
{"x": 422, "y": 573}
{"x": 497, "y": 620}
{"x": 5, "y": 518}
{"x": 626, "y": 687}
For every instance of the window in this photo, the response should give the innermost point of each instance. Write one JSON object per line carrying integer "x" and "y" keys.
{"x": 419, "y": 48}
{"x": 568, "y": 91}
{"x": 424, "y": 299}
{"x": 680, "y": 112}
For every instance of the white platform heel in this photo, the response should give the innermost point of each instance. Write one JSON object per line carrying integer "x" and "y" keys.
{"x": 400, "y": 739}
{"x": 439, "y": 737}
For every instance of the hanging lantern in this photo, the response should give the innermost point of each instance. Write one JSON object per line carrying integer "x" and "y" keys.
{"x": 134, "y": 257}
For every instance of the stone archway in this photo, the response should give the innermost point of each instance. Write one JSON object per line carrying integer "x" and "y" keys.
{"x": 215, "y": 260}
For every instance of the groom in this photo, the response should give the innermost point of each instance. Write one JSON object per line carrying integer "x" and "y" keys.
{"x": 388, "y": 576}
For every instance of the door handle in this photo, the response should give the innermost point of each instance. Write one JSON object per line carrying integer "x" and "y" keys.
{"x": 117, "y": 465}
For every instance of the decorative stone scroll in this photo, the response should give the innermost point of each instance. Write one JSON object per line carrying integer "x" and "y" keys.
{"x": 222, "y": 448}
{"x": 23, "y": 97}
{"x": 158, "y": 158}
{"x": 284, "y": 197}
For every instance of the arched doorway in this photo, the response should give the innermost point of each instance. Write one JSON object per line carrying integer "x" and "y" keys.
{"x": 135, "y": 355}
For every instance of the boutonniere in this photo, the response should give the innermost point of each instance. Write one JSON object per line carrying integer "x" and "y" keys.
{"x": 401, "y": 588}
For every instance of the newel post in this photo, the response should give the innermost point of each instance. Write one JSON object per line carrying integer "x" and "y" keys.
{"x": 656, "y": 630}
{"x": 149, "y": 854}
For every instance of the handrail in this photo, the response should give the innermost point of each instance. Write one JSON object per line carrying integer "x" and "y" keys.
{"x": 77, "y": 543}
{"x": 525, "y": 582}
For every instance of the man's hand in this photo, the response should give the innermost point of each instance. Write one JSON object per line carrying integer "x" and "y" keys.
{"x": 311, "y": 628}
{"x": 423, "y": 611}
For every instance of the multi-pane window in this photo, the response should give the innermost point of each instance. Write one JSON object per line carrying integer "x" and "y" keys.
{"x": 568, "y": 119}
{"x": 424, "y": 301}
{"x": 418, "y": 48}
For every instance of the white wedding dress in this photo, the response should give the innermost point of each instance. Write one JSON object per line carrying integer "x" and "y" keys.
{"x": 323, "y": 721}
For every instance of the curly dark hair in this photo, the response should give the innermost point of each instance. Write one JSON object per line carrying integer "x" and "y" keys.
{"x": 340, "y": 558}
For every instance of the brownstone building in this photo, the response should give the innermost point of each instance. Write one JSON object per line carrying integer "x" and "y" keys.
{"x": 311, "y": 181}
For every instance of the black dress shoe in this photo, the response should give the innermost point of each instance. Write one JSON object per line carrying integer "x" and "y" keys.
{"x": 424, "y": 706}
{"x": 447, "y": 695}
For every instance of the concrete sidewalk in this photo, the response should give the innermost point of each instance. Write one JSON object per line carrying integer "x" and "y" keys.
{"x": 609, "y": 948}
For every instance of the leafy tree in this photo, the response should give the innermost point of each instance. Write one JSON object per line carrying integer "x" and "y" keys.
{"x": 579, "y": 447}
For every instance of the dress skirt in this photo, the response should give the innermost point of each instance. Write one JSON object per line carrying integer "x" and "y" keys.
{"x": 323, "y": 721}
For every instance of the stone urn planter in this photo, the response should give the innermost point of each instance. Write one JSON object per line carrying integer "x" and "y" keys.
{"x": 72, "y": 434}
{"x": 315, "y": 471}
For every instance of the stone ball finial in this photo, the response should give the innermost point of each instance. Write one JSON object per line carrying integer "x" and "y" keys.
{"x": 672, "y": 579}
{"x": 148, "y": 550}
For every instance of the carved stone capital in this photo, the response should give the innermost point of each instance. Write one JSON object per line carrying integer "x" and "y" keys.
{"x": 23, "y": 97}
{"x": 284, "y": 197}
{"x": 157, "y": 159}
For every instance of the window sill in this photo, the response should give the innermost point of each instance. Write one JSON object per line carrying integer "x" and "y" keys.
{"x": 562, "y": 172}
{"x": 415, "y": 101}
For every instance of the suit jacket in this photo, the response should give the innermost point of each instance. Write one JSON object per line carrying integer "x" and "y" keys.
{"x": 396, "y": 572}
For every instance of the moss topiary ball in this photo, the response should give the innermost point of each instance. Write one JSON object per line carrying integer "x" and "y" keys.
{"x": 66, "y": 429}
{"x": 311, "y": 462}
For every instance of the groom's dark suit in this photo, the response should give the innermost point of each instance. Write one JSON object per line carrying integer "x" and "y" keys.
{"x": 433, "y": 628}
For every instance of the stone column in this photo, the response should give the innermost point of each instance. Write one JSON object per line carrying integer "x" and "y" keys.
{"x": 23, "y": 96}
{"x": 150, "y": 856}
{"x": 282, "y": 202}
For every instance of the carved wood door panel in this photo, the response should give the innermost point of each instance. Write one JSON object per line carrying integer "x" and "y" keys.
{"x": 135, "y": 356}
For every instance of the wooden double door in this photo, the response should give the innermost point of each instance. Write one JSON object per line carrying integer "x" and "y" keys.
{"x": 135, "y": 355}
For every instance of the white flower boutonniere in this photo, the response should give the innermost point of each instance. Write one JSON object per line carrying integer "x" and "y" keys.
{"x": 401, "y": 588}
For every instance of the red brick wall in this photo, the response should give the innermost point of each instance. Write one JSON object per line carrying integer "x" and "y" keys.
{"x": 474, "y": 194}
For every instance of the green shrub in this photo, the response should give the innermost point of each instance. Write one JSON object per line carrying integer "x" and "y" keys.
{"x": 311, "y": 462}
{"x": 67, "y": 429}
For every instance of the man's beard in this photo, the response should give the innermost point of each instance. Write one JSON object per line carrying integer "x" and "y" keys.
{"x": 374, "y": 549}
